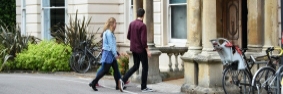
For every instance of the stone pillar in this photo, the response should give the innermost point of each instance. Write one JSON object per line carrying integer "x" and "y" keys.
{"x": 270, "y": 23}
{"x": 153, "y": 61}
{"x": 209, "y": 65}
{"x": 206, "y": 74}
{"x": 255, "y": 25}
{"x": 193, "y": 43}
{"x": 194, "y": 25}
{"x": 209, "y": 24}
{"x": 148, "y": 20}
{"x": 136, "y": 5}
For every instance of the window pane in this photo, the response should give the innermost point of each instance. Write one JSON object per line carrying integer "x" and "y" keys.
{"x": 57, "y": 3}
{"x": 57, "y": 17}
{"x": 179, "y": 22}
{"x": 177, "y": 1}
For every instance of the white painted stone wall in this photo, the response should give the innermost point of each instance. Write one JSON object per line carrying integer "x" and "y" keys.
{"x": 100, "y": 11}
{"x": 33, "y": 17}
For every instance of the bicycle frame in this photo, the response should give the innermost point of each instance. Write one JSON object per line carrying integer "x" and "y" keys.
{"x": 90, "y": 53}
{"x": 275, "y": 78}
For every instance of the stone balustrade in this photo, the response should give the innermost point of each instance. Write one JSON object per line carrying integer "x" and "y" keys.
{"x": 176, "y": 51}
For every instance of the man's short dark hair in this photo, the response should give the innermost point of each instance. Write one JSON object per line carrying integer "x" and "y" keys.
{"x": 140, "y": 12}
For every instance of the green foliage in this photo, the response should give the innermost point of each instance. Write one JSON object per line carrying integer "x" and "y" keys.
{"x": 45, "y": 56}
{"x": 1, "y": 49}
{"x": 74, "y": 32}
{"x": 12, "y": 41}
{"x": 123, "y": 63}
{"x": 8, "y": 12}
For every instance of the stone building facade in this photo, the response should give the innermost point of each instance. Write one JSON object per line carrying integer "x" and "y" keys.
{"x": 253, "y": 24}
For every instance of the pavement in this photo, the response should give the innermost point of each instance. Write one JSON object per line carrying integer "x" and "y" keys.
{"x": 168, "y": 87}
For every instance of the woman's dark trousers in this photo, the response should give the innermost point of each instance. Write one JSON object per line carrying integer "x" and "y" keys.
{"x": 105, "y": 70}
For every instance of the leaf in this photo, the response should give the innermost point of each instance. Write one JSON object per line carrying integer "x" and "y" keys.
{"x": 5, "y": 61}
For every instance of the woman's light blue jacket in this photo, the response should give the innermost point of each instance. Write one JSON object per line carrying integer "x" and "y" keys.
{"x": 109, "y": 42}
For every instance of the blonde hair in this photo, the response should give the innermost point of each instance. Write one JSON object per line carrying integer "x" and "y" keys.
{"x": 109, "y": 25}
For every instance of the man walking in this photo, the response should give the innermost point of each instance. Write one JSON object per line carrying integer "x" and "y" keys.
{"x": 137, "y": 34}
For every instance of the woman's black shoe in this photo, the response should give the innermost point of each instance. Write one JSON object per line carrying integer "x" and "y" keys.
{"x": 93, "y": 86}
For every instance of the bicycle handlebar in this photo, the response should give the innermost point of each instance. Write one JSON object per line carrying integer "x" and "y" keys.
{"x": 281, "y": 50}
{"x": 269, "y": 51}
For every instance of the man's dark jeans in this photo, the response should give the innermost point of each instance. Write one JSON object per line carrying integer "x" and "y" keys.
{"x": 139, "y": 57}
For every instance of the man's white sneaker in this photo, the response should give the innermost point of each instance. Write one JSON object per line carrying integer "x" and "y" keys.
{"x": 147, "y": 90}
{"x": 121, "y": 85}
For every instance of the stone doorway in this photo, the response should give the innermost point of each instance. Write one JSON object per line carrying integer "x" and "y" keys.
{"x": 235, "y": 21}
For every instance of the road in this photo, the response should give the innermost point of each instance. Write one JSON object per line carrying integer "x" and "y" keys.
{"x": 36, "y": 83}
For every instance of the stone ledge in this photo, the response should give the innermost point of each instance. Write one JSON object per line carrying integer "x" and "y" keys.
{"x": 171, "y": 75}
{"x": 192, "y": 89}
{"x": 200, "y": 58}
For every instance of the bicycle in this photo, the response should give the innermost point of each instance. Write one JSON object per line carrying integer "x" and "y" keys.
{"x": 271, "y": 78}
{"x": 83, "y": 57}
{"x": 237, "y": 75}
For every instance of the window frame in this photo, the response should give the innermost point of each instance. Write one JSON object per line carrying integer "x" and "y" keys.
{"x": 23, "y": 16}
{"x": 45, "y": 32}
{"x": 131, "y": 11}
{"x": 174, "y": 41}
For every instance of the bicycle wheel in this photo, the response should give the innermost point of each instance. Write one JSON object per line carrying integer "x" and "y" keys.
{"x": 80, "y": 62}
{"x": 83, "y": 64}
{"x": 278, "y": 74}
{"x": 263, "y": 81}
{"x": 73, "y": 60}
{"x": 236, "y": 81}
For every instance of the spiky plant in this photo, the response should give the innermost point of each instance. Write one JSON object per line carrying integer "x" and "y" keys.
{"x": 12, "y": 41}
{"x": 74, "y": 32}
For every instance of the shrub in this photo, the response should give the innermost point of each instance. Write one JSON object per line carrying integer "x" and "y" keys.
{"x": 12, "y": 41}
{"x": 123, "y": 63}
{"x": 45, "y": 56}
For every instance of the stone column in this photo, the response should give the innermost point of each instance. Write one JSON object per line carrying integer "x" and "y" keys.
{"x": 193, "y": 43}
{"x": 153, "y": 61}
{"x": 136, "y": 5}
{"x": 209, "y": 32}
{"x": 209, "y": 64}
{"x": 194, "y": 25}
{"x": 209, "y": 24}
{"x": 270, "y": 23}
{"x": 255, "y": 25}
{"x": 148, "y": 20}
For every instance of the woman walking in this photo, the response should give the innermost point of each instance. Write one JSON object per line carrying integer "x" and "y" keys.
{"x": 109, "y": 54}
